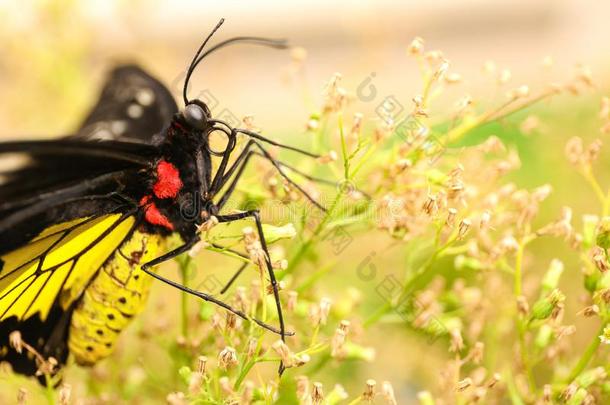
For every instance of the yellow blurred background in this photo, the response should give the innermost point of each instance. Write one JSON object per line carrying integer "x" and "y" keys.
{"x": 53, "y": 54}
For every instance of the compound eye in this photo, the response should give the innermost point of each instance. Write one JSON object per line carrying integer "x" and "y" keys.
{"x": 194, "y": 116}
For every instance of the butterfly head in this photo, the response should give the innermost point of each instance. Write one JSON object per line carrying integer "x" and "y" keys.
{"x": 196, "y": 114}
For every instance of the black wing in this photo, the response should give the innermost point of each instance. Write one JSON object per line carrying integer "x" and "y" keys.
{"x": 133, "y": 106}
{"x": 116, "y": 140}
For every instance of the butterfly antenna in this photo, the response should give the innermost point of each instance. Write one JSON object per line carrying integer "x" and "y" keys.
{"x": 272, "y": 43}
{"x": 194, "y": 62}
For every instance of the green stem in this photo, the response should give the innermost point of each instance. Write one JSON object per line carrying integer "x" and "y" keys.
{"x": 513, "y": 392}
{"x": 587, "y": 355}
{"x": 356, "y": 401}
{"x": 49, "y": 391}
{"x": 521, "y": 326}
{"x": 343, "y": 148}
{"x": 518, "y": 270}
{"x": 304, "y": 248}
{"x": 588, "y": 175}
{"x": 184, "y": 274}
{"x": 377, "y": 315}
{"x": 243, "y": 373}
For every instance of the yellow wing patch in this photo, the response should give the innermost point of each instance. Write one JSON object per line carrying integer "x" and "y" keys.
{"x": 62, "y": 259}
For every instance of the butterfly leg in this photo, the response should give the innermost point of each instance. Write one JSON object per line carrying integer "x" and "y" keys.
{"x": 170, "y": 255}
{"x": 239, "y": 270}
{"x": 274, "y": 284}
{"x": 234, "y": 277}
{"x": 260, "y": 137}
{"x": 206, "y": 297}
{"x": 239, "y": 166}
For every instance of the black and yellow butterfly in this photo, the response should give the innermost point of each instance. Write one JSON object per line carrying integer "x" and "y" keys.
{"x": 84, "y": 221}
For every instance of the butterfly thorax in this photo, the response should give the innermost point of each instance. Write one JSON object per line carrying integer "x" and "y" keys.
{"x": 175, "y": 197}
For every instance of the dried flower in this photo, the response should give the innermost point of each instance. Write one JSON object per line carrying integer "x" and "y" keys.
{"x": 227, "y": 358}
{"x": 476, "y": 354}
{"x": 302, "y": 386}
{"x": 463, "y": 228}
{"x": 388, "y": 393}
{"x": 369, "y": 392}
{"x": 505, "y": 76}
{"x": 225, "y": 385}
{"x": 464, "y": 384}
{"x": 451, "y": 213}
{"x": 207, "y": 226}
{"x": 574, "y": 150}
{"x": 457, "y": 343}
{"x": 317, "y": 394}
{"x": 176, "y": 398}
{"x": 598, "y": 255}
{"x": 202, "y": 362}
{"x": 301, "y": 359}
{"x": 22, "y": 396}
{"x": 417, "y": 46}
{"x": 337, "y": 343}
{"x": 292, "y": 301}
{"x": 230, "y": 321}
{"x": 589, "y": 311}
{"x": 248, "y": 393}
{"x": 15, "y": 341}
{"x": 65, "y": 394}
{"x": 284, "y": 352}
{"x": 569, "y": 392}
{"x": 495, "y": 378}
{"x": 328, "y": 158}
{"x": 547, "y": 393}
{"x": 195, "y": 383}
{"x": 453, "y": 78}
{"x": 324, "y": 310}
{"x": 425, "y": 398}
{"x": 254, "y": 248}
{"x": 605, "y": 336}
{"x": 344, "y": 325}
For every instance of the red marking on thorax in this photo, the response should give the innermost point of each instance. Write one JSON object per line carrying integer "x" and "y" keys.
{"x": 177, "y": 126}
{"x": 168, "y": 180}
{"x": 153, "y": 215}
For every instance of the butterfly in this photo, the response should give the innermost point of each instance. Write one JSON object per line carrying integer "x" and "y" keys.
{"x": 84, "y": 222}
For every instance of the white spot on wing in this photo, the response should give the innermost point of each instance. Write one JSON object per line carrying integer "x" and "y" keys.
{"x": 145, "y": 97}
{"x": 102, "y": 134}
{"x": 135, "y": 111}
{"x": 118, "y": 127}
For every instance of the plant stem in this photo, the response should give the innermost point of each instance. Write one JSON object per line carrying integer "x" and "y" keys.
{"x": 512, "y": 390}
{"x": 588, "y": 175}
{"x": 521, "y": 326}
{"x": 49, "y": 391}
{"x": 243, "y": 373}
{"x": 518, "y": 270}
{"x": 184, "y": 274}
{"x": 356, "y": 401}
{"x": 594, "y": 345}
{"x": 587, "y": 355}
{"x": 304, "y": 248}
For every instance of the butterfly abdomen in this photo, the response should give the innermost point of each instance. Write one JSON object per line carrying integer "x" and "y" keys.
{"x": 117, "y": 293}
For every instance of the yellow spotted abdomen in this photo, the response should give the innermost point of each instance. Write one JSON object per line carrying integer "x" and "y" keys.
{"x": 116, "y": 294}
